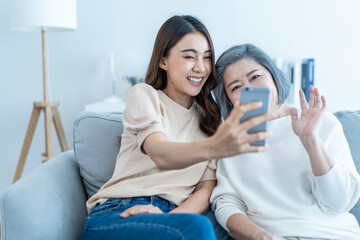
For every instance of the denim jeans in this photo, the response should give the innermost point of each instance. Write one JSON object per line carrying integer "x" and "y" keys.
{"x": 105, "y": 222}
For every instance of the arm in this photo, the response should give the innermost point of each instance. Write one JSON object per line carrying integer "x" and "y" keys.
{"x": 342, "y": 179}
{"x": 230, "y": 139}
{"x": 331, "y": 162}
{"x": 199, "y": 201}
{"x": 143, "y": 119}
{"x": 304, "y": 128}
{"x": 241, "y": 227}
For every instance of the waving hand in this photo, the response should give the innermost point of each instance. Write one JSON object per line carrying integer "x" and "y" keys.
{"x": 305, "y": 125}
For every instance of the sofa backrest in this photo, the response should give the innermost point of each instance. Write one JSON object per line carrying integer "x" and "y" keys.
{"x": 96, "y": 143}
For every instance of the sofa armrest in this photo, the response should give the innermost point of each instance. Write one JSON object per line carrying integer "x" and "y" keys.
{"x": 48, "y": 203}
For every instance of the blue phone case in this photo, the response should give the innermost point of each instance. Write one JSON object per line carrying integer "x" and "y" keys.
{"x": 255, "y": 94}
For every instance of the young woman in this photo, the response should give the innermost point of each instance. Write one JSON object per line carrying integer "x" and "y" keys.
{"x": 304, "y": 185}
{"x": 165, "y": 170}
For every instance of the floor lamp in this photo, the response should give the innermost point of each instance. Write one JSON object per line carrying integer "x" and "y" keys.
{"x": 43, "y": 15}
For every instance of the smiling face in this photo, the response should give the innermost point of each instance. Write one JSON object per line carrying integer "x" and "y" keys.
{"x": 187, "y": 68}
{"x": 248, "y": 72}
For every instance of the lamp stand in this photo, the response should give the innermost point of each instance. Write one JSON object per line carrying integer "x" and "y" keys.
{"x": 51, "y": 114}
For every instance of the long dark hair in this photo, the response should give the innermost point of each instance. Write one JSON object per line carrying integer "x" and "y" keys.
{"x": 169, "y": 34}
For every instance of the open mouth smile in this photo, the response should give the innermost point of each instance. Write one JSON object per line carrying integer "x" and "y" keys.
{"x": 195, "y": 79}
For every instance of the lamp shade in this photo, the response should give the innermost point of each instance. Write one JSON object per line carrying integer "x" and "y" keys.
{"x": 49, "y": 15}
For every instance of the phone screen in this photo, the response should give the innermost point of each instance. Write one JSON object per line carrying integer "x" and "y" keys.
{"x": 255, "y": 94}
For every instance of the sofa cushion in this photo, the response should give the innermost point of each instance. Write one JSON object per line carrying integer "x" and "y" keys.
{"x": 96, "y": 145}
{"x": 350, "y": 121}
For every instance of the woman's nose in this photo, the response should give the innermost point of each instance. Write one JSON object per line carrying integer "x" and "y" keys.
{"x": 199, "y": 66}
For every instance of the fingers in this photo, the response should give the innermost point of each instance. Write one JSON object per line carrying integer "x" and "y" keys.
{"x": 233, "y": 137}
{"x": 318, "y": 102}
{"x": 254, "y": 121}
{"x": 241, "y": 128}
{"x": 312, "y": 97}
{"x": 303, "y": 102}
{"x": 239, "y": 110}
{"x": 315, "y": 98}
{"x": 248, "y": 148}
{"x": 245, "y": 139}
{"x": 323, "y": 102}
{"x": 253, "y": 137}
{"x": 138, "y": 209}
{"x": 315, "y": 101}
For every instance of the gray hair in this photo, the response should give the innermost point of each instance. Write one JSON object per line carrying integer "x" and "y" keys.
{"x": 248, "y": 51}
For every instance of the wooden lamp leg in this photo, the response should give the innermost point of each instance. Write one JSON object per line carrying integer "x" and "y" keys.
{"x": 51, "y": 115}
{"x": 28, "y": 138}
{"x": 49, "y": 146}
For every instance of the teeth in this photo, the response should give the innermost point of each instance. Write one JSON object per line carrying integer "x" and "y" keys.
{"x": 197, "y": 80}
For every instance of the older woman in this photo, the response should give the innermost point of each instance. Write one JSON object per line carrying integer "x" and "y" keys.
{"x": 304, "y": 185}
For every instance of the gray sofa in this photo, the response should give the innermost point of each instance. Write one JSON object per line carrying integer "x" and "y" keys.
{"x": 49, "y": 203}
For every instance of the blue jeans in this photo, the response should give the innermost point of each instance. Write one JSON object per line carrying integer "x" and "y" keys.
{"x": 104, "y": 222}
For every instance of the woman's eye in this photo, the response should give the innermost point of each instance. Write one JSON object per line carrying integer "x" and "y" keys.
{"x": 189, "y": 57}
{"x": 254, "y": 77}
{"x": 208, "y": 57}
{"x": 235, "y": 88}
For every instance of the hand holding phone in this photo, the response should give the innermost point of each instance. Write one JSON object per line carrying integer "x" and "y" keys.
{"x": 255, "y": 94}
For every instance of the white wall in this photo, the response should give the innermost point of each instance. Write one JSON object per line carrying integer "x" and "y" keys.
{"x": 327, "y": 30}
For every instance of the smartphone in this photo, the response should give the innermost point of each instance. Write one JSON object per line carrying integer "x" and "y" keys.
{"x": 255, "y": 94}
